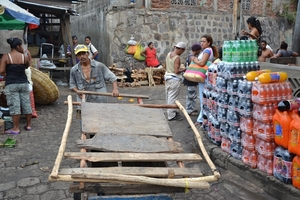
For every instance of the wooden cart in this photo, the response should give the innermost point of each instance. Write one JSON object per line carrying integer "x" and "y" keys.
{"x": 124, "y": 151}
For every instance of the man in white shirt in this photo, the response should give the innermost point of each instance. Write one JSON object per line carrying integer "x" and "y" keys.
{"x": 93, "y": 52}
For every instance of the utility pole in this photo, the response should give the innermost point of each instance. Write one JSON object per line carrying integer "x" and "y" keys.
{"x": 234, "y": 17}
{"x": 296, "y": 36}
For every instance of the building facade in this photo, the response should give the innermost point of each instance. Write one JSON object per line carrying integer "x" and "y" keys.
{"x": 111, "y": 23}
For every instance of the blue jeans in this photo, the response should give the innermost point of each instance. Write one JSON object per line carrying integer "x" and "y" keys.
{"x": 191, "y": 97}
{"x": 201, "y": 88}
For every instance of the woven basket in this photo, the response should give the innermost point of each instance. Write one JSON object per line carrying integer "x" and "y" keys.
{"x": 44, "y": 89}
{"x": 34, "y": 50}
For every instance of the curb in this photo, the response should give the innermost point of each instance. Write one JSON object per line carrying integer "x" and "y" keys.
{"x": 269, "y": 184}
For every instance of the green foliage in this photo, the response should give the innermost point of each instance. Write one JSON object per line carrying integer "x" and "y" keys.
{"x": 288, "y": 15}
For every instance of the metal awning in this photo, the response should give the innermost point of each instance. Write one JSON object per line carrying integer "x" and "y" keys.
{"x": 55, "y": 7}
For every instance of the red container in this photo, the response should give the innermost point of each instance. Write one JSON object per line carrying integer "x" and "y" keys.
{"x": 225, "y": 145}
{"x": 265, "y": 164}
{"x": 246, "y": 125}
{"x": 264, "y": 148}
{"x": 296, "y": 172}
{"x": 281, "y": 126}
{"x": 263, "y": 131}
{"x": 294, "y": 142}
{"x": 248, "y": 141}
{"x": 249, "y": 158}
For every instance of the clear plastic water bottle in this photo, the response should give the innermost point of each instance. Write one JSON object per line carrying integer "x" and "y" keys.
{"x": 236, "y": 150}
{"x": 243, "y": 51}
{"x": 233, "y": 69}
{"x": 224, "y": 128}
{"x": 225, "y": 51}
{"x": 229, "y": 57}
{"x": 254, "y": 49}
{"x": 235, "y": 51}
{"x": 247, "y": 51}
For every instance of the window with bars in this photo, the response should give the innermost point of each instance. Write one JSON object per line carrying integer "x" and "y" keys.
{"x": 184, "y": 2}
{"x": 246, "y": 4}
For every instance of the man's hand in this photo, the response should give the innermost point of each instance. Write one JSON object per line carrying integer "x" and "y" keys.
{"x": 115, "y": 92}
{"x": 76, "y": 91}
{"x": 80, "y": 95}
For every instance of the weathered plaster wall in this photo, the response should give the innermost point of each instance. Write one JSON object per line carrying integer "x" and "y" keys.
{"x": 4, "y": 35}
{"x": 111, "y": 26}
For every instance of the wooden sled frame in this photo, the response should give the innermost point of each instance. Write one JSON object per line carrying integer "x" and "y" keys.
{"x": 86, "y": 176}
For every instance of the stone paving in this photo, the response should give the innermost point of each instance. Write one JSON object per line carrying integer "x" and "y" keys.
{"x": 24, "y": 170}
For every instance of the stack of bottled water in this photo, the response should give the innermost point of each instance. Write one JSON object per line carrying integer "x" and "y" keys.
{"x": 240, "y": 51}
{"x": 229, "y": 98}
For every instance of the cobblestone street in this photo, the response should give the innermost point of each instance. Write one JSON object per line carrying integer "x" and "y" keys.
{"x": 24, "y": 170}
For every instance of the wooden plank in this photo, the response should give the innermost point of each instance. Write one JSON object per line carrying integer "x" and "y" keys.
{"x": 135, "y": 171}
{"x": 109, "y": 94}
{"x": 142, "y": 121}
{"x": 63, "y": 68}
{"x": 124, "y": 189}
{"x": 190, "y": 183}
{"x": 63, "y": 140}
{"x": 200, "y": 143}
{"x": 129, "y": 157}
{"x": 129, "y": 143}
{"x": 107, "y": 179}
{"x": 133, "y": 197}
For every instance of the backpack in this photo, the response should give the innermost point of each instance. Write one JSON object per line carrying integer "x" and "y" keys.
{"x": 96, "y": 57}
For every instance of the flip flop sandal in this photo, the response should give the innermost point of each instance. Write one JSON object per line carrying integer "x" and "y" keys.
{"x": 198, "y": 123}
{"x": 12, "y": 132}
{"x": 27, "y": 128}
{"x": 194, "y": 113}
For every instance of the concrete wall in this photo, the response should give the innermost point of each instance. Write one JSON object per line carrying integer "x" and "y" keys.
{"x": 111, "y": 24}
{"x": 4, "y": 35}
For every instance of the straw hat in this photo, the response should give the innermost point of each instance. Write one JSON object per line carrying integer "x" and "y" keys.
{"x": 44, "y": 89}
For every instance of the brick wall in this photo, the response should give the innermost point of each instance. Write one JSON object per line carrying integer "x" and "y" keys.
{"x": 165, "y": 4}
{"x": 257, "y": 8}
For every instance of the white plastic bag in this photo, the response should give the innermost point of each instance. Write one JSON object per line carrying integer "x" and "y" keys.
{"x": 132, "y": 42}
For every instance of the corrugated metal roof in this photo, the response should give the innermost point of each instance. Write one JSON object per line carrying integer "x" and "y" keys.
{"x": 56, "y": 7}
{"x": 58, "y": 3}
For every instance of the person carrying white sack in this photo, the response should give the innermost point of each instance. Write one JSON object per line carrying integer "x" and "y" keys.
{"x": 30, "y": 85}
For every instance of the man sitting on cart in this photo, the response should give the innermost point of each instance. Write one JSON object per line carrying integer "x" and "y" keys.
{"x": 90, "y": 75}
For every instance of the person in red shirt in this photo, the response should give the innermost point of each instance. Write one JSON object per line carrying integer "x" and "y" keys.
{"x": 150, "y": 55}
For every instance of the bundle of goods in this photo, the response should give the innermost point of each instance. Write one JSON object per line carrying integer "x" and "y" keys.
{"x": 227, "y": 97}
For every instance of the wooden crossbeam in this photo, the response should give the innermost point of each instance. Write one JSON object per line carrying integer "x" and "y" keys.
{"x": 140, "y": 157}
{"x": 135, "y": 171}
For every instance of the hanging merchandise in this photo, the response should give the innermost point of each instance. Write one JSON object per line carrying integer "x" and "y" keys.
{"x": 137, "y": 54}
{"x": 132, "y": 42}
{"x": 130, "y": 49}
